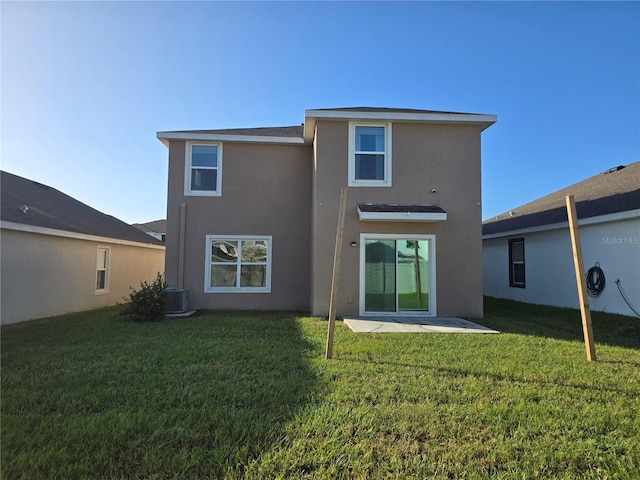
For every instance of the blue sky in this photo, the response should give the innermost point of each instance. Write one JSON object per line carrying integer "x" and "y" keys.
{"x": 86, "y": 85}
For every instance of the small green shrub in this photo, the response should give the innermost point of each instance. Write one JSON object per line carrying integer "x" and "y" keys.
{"x": 146, "y": 304}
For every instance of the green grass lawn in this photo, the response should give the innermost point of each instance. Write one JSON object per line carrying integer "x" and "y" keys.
{"x": 249, "y": 395}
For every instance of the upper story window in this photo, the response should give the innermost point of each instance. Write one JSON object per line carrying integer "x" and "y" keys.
{"x": 203, "y": 169}
{"x": 516, "y": 263}
{"x": 369, "y": 154}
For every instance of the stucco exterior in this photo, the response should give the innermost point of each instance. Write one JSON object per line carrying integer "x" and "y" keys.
{"x": 287, "y": 187}
{"x": 613, "y": 242}
{"x": 266, "y": 191}
{"x": 425, "y": 157}
{"x": 48, "y": 274}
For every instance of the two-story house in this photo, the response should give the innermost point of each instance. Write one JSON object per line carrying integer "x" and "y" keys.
{"x": 252, "y": 213}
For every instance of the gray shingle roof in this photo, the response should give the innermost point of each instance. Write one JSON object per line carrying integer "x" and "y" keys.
{"x": 157, "y": 226}
{"x": 293, "y": 131}
{"x": 386, "y": 110}
{"x": 31, "y": 203}
{"x": 616, "y": 190}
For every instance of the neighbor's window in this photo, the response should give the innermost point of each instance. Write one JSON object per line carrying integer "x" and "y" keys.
{"x": 238, "y": 264}
{"x": 102, "y": 270}
{"x": 203, "y": 169}
{"x": 516, "y": 263}
{"x": 370, "y": 155}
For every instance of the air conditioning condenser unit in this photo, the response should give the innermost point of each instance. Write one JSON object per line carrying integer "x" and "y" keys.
{"x": 176, "y": 300}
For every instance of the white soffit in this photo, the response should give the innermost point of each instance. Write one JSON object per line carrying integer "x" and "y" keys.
{"x": 311, "y": 116}
{"x": 164, "y": 137}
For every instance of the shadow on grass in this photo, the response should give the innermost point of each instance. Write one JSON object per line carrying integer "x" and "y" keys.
{"x": 509, "y": 316}
{"x": 190, "y": 398}
{"x": 453, "y": 374}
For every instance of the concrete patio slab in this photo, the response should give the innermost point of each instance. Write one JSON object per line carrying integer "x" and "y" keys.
{"x": 414, "y": 325}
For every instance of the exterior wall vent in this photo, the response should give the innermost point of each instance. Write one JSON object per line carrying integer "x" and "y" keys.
{"x": 176, "y": 300}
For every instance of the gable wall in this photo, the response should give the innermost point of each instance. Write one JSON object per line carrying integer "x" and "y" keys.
{"x": 266, "y": 190}
{"x": 46, "y": 275}
{"x": 424, "y": 157}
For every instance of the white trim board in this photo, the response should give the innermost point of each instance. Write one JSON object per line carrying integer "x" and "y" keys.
{"x": 310, "y": 117}
{"x": 432, "y": 312}
{"x": 401, "y": 216}
{"x": 388, "y": 148}
{"x": 188, "y": 170}
{"x": 439, "y": 117}
{"x": 208, "y": 289}
{"x": 21, "y": 227}
{"x": 164, "y": 137}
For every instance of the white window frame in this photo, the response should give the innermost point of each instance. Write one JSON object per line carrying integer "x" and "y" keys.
{"x": 513, "y": 283}
{"x": 188, "y": 169}
{"x": 432, "y": 312}
{"x": 101, "y": 251}
{"x": 353, "y": 182}
{"x": 237, "y": 289}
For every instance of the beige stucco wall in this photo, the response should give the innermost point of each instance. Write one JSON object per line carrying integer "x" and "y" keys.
{"x": 266, "y": 190}
{"x": 45, "y": 275}
{"x": 424, "y": 157}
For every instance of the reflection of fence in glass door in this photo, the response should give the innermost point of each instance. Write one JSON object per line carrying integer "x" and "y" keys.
{"x": 380, "y": 276}
{"x": 396, "y": 275}
{"x": 413, "y": 275}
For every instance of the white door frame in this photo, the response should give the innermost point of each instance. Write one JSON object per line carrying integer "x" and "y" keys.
{"x": 432, "y": 272}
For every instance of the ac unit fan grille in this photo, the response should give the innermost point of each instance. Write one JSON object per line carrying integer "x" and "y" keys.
{"x": 176, "y": 300}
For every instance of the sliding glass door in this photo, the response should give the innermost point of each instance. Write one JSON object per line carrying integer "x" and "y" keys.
{"x": 380, "y": 276}
{"x": 397, "y": 275}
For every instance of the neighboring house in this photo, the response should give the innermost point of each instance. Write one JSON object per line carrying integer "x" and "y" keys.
{"x": 527, "y": 254}
{"x": 252, "y": 213}
{"x": 59, "y": 255}
{"x": 157, "y": 229}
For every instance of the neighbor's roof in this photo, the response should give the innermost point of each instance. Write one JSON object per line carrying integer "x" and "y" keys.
{"x": 26, "y": 202}
{"x": 613, "y": 191}
{"x": 157, "y": 226}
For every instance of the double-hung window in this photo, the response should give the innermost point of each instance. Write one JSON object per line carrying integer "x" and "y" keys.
{"x": 370, "y": 154}
{"x": 102, "y": 270}
{"x": 516, "y": 263}
{"x": 238, "y": 264}
{"x": 203, "y": 169}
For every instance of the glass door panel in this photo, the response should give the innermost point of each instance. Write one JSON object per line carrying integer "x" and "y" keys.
{"x": 380, "y": 276}
{"x": 396, "y": 275}
{"x": 413, "y": 275}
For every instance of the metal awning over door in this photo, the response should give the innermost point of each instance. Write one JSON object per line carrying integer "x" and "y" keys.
{"x": 392, "y": 212}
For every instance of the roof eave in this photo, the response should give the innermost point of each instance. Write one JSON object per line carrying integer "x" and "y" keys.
{"x": 596, "y": 219}
{"x": 401, "y": 217}
{"x": 311, "y": 116}
{"x": 24, "y": 227}
{"x": 166, "y": 137}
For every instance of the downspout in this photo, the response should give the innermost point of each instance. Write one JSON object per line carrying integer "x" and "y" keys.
{"x": 181, "y": 244}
